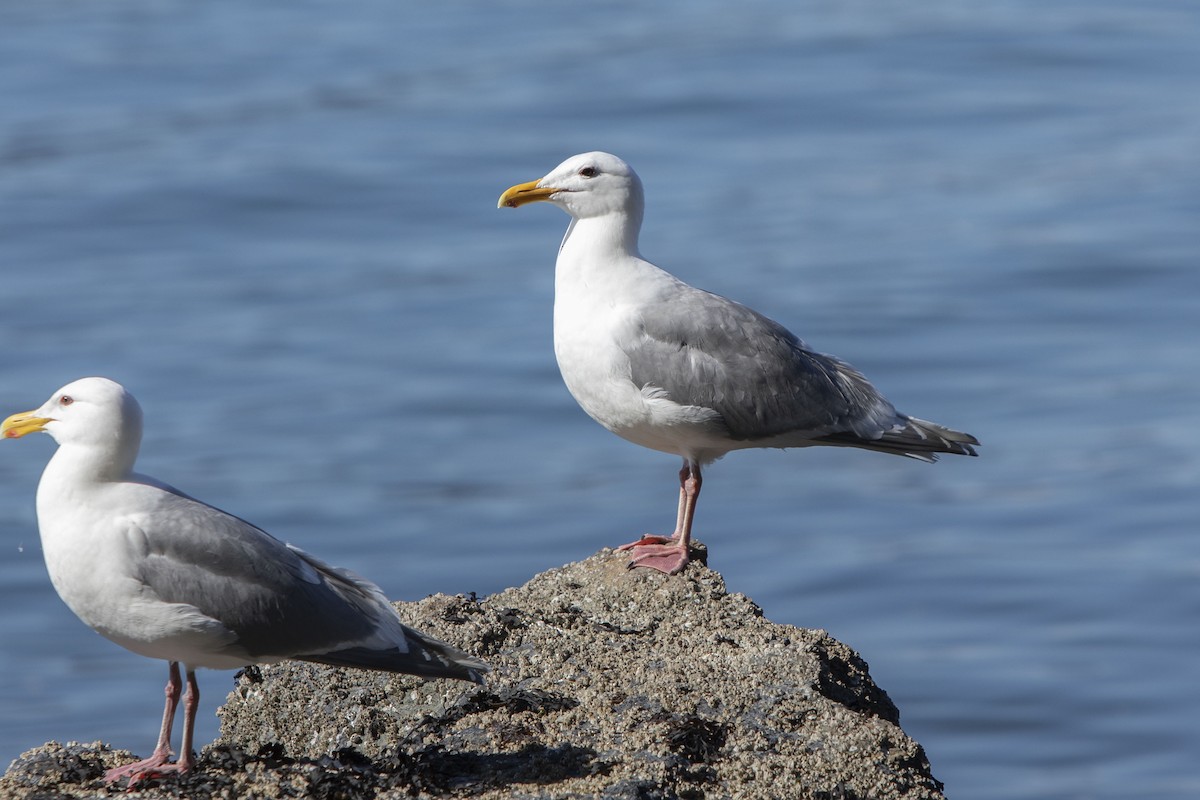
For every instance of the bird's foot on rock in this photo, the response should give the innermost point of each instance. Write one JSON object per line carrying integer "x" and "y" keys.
{"x": 648, "y": 539}
{"x": 668, "y": 558}
{"x": 155, "y": 766}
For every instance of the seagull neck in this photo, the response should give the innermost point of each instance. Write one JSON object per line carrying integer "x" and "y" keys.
{"x": 81, "y": 464}
{"x": 605, "y": 238}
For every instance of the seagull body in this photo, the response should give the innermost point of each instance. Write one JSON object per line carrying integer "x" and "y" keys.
{"x": 684, "y": 371}
{"x": 169, "y": 577}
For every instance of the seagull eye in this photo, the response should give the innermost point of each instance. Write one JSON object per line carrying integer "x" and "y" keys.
{"x": 66, "y": 400}
{"x": 589, "y": 172}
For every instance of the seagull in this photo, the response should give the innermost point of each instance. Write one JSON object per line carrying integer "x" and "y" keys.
{"x": 170, "y": 577}
{"x": 680, "y": 370}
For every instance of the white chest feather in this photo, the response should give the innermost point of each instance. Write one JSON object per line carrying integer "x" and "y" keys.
{"x": 589, "y": 329}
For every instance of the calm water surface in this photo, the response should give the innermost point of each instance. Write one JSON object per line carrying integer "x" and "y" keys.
{"x": 277, "y": 226}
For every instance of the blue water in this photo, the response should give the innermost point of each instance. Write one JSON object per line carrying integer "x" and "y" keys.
{"x": 276, "y": 224}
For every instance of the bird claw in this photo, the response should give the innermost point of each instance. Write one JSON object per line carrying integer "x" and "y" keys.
{"x": 156, "y": 766}
{"x": 666, "y": 558}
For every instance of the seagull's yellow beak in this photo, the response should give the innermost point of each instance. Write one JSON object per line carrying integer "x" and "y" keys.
{"x": 18, "y": 425}
{"x": 524, "y": 193}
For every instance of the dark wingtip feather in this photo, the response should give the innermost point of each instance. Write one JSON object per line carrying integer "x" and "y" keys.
{"x": 917, "y": 438}
{"x": 426, "y": 658}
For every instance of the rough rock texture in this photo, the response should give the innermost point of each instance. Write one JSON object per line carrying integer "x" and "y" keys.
{"x": 607, "y": 683}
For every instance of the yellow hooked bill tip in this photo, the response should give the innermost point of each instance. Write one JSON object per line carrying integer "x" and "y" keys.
{"x": 18, "y": 425}
{"x": 523, "y": 193}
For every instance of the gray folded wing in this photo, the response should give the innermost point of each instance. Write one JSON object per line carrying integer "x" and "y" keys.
{"x": 705, "y": 350}
{"x": 279, "y": 601}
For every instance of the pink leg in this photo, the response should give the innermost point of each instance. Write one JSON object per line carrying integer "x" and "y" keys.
{"x": 159, "y": 762}
{"x": 671, "y": 556}
{"x": 650, "y": 538}
{"x": 162, "y": 751}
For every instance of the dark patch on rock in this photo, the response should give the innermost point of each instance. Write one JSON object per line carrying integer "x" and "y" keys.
{"x": 697, "y": 739}
{"x": 846, "y": 680}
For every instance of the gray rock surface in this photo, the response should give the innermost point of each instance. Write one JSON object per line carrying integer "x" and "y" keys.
{"x": 607, "y": 682}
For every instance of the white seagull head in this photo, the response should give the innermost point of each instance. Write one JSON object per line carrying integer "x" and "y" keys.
{"x": 90, "y": 413}
{"x": 587, "y": 185}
